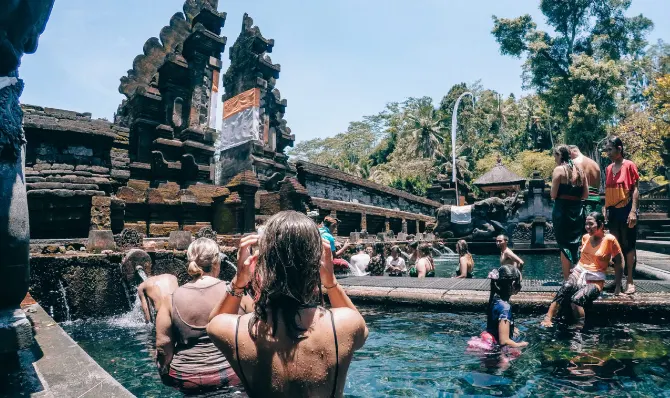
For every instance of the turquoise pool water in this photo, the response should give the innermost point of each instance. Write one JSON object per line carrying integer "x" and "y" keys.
{"x": 537, "y": 266}
{"x": 414, "y": 353}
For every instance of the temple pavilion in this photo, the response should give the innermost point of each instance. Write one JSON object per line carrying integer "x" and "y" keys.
{"x": 500, "y": 180}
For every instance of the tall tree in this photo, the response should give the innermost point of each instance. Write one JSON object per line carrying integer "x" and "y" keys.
{"x": 574, "y": 69}
{"x": 427, "y": 132}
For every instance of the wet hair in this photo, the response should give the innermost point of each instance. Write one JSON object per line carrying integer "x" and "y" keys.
{"x": 379, "y": 248}
{"x": 414, "y": 245}
{"x": 575, "y": 175}
{"x": 462, "y": 247}
{"x": 505, "y": 238}
{"x": 425, "y": 249}
{"x": 504, "y": 281}
{"x": 360, "y": 248}
{"x": 329, "y": 221}
{"x": 572, "y": 147}
{"x": 203, "y": 255}
{"x": 598, "y": 217}
{"x": 616, "y": 143}
{"x": 395, "y": 249}
{"x": 286, "y": 278}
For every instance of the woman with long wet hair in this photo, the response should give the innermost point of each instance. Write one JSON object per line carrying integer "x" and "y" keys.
{"x": 466, "y": 263}
{"x": 568, "y": 188}
{"x": 289, "y": 328}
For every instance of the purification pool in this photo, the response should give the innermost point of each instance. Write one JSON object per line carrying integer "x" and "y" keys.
{"x": 414, "y": 353}
{"x": 537, "y": 266}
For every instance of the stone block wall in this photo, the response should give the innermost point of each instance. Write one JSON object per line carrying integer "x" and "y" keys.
{"x": 328, "y": 183}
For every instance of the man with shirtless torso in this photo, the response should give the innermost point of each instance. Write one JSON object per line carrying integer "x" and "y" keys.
{"x": 152, "y": 291}
{"x": 592, "y": 173}
{"x": 507, "y": 256}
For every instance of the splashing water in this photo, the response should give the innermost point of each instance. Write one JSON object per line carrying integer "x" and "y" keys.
{"x": 131, "y": 319}
{"x": 66, "y": 307}
{"x": 125, "y": 289}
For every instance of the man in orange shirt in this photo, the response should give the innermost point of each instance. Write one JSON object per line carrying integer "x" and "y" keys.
{"x": 621, "y": 204}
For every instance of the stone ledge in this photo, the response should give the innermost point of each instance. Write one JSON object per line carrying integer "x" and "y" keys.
{"x": 15, "y": 331}
{"x": 62, "y": 368}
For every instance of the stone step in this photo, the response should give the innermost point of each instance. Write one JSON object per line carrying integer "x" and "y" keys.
{"x": 656, "y": 246}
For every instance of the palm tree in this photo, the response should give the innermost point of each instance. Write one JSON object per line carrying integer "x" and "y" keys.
{"x": 425, "y": 126}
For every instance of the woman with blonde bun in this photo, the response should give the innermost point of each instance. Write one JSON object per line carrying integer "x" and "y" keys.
{"x": 186, "y": 357}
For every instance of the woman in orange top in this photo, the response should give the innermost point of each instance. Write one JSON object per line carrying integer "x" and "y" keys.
{"x": 588, "y": 277}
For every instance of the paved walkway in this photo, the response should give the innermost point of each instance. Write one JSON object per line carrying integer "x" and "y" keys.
{"x": 655, "y": 260}
{"x": 529, "y": 286}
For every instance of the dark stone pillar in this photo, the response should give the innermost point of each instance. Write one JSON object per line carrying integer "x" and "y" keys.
{"x": 21, "y": 24}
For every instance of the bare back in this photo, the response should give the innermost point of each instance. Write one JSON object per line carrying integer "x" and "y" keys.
{"x": 281, "y": 366}
{"x": 591, "y": 170}
{"x": 157, "y": 287}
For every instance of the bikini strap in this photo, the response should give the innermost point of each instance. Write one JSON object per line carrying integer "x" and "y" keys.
{"x": 237, "y": 356}
{"x": 337, "y": 353}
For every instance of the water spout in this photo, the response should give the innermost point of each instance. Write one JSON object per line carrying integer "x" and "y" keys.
{"x": 437, "y": 252}
{"x": 448, "y": 251}
{"x": 66, "y": 307}
{"x": 224, "y": 260}
{"x": 141, "y": 274}
{"x": 125, "y": 289}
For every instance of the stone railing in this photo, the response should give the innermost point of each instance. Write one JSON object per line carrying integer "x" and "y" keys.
{"x": 654, "y": 206}
{"x": 660, "y": 192}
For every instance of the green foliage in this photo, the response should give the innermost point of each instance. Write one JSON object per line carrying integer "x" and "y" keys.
{"x": 413, "y": 185}
{"x": 577, "y": 70}
{"x": 591, "y": 73}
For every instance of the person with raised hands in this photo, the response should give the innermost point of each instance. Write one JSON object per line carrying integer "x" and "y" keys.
{"x": 290, "y": 345}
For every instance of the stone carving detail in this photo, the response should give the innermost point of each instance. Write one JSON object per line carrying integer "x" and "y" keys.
{"x": 206, "y": 232}
{"x": 489, "y": 217}
{"x": 129, "y": 238}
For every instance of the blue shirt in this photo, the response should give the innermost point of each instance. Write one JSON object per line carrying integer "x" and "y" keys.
{"x": 325, "y": 234}
{"x": 501, "y": 310}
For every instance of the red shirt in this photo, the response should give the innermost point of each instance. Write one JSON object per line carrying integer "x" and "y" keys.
{"x": 618, "y": 187}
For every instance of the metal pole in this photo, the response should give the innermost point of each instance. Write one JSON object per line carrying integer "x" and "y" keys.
{"x": 454, "y": 127}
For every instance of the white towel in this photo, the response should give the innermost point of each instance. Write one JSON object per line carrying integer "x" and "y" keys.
{"x": 7, "y": 81}
{"x": 461, "y": 214}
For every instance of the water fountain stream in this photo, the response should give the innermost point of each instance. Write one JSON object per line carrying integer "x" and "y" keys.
{"x": 66, "y": 307}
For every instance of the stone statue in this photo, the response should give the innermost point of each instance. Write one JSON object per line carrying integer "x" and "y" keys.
{"x": 488, "y": 218}
{"x": 21, "y": 23}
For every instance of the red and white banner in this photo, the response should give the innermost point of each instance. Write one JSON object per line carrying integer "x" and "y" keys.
{"x": 241, "y": 120}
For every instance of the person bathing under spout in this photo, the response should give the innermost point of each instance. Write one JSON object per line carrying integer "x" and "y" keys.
{"x": 153, "y": 290}
{"x": 291, "y": 346}
{"x": 507, "y": 256}
{"x": 588, "y": 277}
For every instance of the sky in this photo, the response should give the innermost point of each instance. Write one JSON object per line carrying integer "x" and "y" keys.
{"x": 340, "y": 60}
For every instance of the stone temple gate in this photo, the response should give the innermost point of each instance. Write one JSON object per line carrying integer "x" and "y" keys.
{"x": 162, "y": 165}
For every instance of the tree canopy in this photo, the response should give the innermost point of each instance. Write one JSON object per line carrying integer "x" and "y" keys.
{"x": 594, "y": 75}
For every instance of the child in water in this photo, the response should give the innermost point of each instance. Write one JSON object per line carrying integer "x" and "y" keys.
{"x": 505, "y": 282}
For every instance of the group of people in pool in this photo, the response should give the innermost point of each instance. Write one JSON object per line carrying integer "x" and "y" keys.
{"x": 585, "y": 257}
{"x": 258, "y": 330}
{"x": 377, "y": 260}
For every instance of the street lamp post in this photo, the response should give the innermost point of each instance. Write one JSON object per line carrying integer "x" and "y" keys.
{"x": 454, "y": 127}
